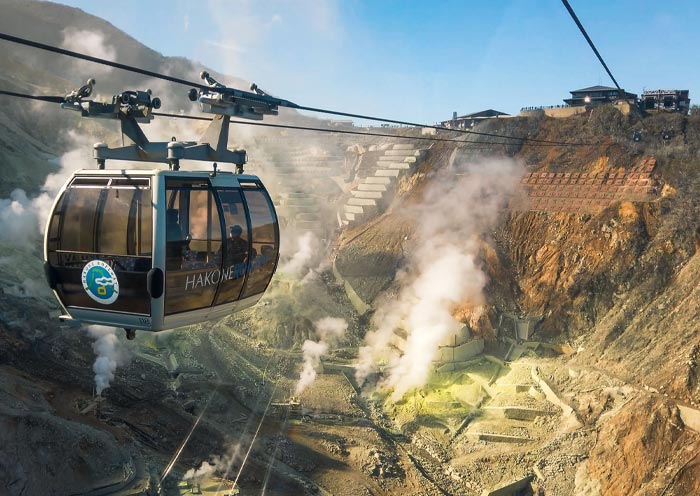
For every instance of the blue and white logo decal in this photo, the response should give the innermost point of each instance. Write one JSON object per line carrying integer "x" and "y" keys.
{"x": 100, "y": 282}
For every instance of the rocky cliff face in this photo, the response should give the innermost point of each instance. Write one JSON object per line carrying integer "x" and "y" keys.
{"x": 619, "y": 284}
{"x": 645, "y": 450}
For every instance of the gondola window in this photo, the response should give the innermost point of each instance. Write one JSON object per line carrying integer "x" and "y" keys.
{"x": 193, "y": 245}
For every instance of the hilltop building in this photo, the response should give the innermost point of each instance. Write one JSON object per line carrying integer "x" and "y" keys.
{"x": 471, "y": 120}
{"x": 673, "y": 100}
{"x": 598, "y": 95}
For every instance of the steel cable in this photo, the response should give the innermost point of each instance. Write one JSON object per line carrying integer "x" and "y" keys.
{"x": 252, "y": 96}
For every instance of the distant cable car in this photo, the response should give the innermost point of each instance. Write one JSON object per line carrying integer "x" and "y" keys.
{"x": 158, "y": 249}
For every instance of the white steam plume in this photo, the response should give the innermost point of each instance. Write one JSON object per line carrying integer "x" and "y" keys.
{"x": 330, "y": 331}
{"x": 205, "y": 469}
{"x": 22, "y": 219}
{"x": 304, "y": 258}
{"x": 443, "y": 270}
{"x": 90, "y": 43}
{"x": 219, "y": 465}
{"x": 313, "y": 351}
{"x": 110, "y": 355}
{"x": 18, "y": 221}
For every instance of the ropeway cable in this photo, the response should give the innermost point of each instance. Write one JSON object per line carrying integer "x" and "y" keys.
{"x": 254, "y": 97}
{"x": 590, "y": 42}
{"x": 273, "y": 456}
{"x": 341, "y": 131}
{"x": 486, "y": 144}
{"x": 252, "y": 442}
{"x": 178, "y": 452}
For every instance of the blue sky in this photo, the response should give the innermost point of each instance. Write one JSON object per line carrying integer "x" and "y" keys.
{"x": 420, "y": 61}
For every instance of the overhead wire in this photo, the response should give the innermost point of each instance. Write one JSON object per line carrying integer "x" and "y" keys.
{"x": 437, "y": 128}
{"x": 182, "y": 446}
{"x": 184, "y": 443}
{"x": 256, "y": 408}
{"x": 255, "y": 436}
{"x": 98, "y": 60}
{"x": 486, "y": 144}
{"x": 50, "y": 99}
{"x": 252, "y": 442}
{"x": 252, "y": 96}
{"x": 590, "y": 42}
{"x": 273, "y": 455}
{"x": 58, "y": 99}
{"x": 342, "y": 131}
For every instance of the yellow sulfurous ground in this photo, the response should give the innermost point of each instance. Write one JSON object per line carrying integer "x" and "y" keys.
{"x": 446, "y": 399}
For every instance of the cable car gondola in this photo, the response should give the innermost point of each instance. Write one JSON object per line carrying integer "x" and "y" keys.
{"x": 155, "y": 250}
{"x": 159, "y": 249}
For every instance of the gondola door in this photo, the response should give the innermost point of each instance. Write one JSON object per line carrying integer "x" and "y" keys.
{"x": 237, "y": 246}
{"x": 265, "y": 238}
{"x": 251, "y": 242}
{"x": 193, "y": 247}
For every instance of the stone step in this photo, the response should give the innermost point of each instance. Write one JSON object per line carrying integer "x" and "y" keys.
{"x": 353, "y": 209}
{"x": 395, "y": 165}
{"x": 367, "y": 194}
{"x": 294, "y": 195}
{"x": 377, "y": 180}
{"x": 405, "y": 146}
{"x": 362, "y": 201}
{"x": 518, "y": 412}
{"x": 497, "y": 438}
{"x": 382, "y": 160}
{"x": 402, "y": 153}
{"x": 354, "y": 217}
{"x": 387, "y": 173}
{"x": 372, "y": 187}
{"x": 514, "y": 388}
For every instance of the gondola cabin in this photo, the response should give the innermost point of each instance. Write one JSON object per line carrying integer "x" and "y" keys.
{"x": 156, "y": 249}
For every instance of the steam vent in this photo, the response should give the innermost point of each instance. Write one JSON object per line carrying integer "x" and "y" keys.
{"x": 300, "y": 286}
